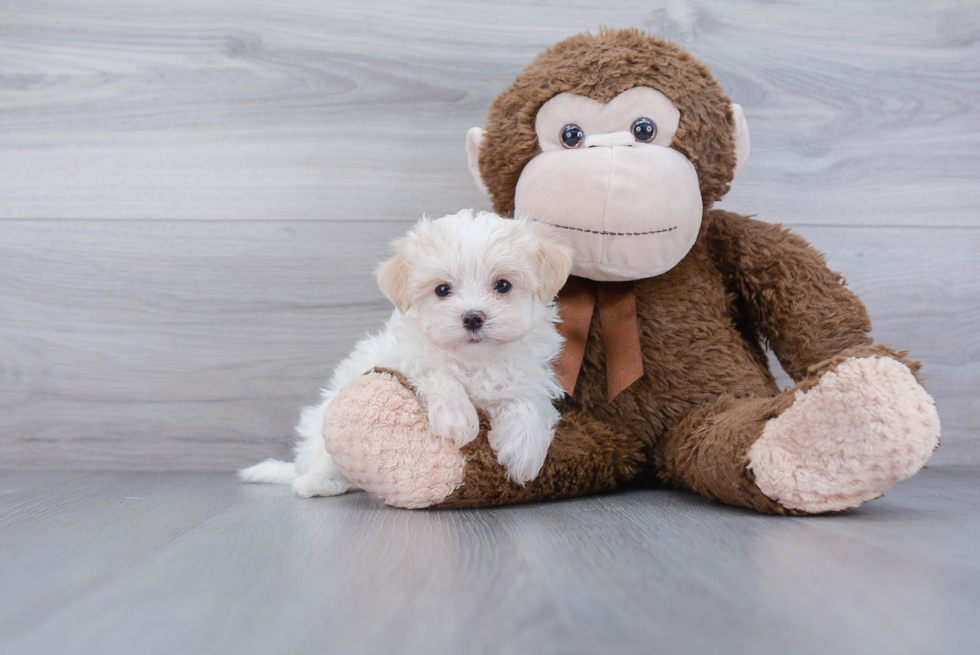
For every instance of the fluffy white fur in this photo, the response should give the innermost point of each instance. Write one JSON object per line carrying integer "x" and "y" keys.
{"x": 503, "y": 369}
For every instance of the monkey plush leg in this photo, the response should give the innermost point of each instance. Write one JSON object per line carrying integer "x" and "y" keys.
{"x": 378, "y": 435}
{"x": 585, "y": 457}
{"x": 854, "y": 426}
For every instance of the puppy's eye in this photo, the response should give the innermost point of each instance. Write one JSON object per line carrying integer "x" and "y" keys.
{"x": 502, "y": 286}
{"x": 644, "y": 130}
{"x": 443, "y": 290}
{"x": 572, "y": 136}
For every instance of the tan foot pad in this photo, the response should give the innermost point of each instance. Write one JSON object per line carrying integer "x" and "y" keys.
{"x": 378, "y": 435}
{"x": 866, "y": 425}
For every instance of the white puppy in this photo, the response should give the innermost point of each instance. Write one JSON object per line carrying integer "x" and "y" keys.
{"x": 473, "y": 328}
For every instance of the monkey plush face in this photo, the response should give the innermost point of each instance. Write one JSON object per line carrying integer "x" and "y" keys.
{"x": 630, "y": 205}
{"x": 622, "y": 140}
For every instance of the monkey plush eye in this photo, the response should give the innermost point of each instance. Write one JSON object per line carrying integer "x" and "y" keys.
{"x": 502, "y": 286}
{"x": 644, "y": 130}
{"x": 443, "y": 290}
{"x": 572, "y": 136}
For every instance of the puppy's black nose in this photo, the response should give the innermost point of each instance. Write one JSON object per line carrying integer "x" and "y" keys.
{"x": 473, "y": 321}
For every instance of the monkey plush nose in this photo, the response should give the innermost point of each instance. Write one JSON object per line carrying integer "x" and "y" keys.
{"x": 473, "y": 321}
{"x": 609, "y": 139}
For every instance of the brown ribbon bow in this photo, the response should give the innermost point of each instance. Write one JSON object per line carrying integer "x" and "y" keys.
{"x": 620, "y": 332}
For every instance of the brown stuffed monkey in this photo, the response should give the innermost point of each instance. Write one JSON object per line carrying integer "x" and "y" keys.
{"x": 626, "y": 141}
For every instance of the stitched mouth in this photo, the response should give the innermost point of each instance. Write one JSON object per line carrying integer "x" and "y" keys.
{"x": 615, "y": 234}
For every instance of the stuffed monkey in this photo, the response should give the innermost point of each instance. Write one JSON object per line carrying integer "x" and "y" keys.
{"x": 625, "y": 142}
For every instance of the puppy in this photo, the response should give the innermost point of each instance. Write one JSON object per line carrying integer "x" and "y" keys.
{"x": 473, "y": 329}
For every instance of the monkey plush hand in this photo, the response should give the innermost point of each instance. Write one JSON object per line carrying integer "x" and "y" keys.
{"x": 626, "y": 142}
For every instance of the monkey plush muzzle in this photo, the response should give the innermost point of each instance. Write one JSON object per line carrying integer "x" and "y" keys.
{"x": 630, "y": 211}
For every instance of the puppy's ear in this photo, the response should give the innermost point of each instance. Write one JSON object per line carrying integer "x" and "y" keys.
{"x": 554, "y": 261}
{"x": 393, "y": 280}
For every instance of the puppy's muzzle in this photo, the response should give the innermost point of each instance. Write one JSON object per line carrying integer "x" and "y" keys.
{"x": 473, "y": 321}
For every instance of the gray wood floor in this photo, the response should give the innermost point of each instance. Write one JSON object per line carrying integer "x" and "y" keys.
{"x": 184, "y": 562}
{"x": 193, "y": 194}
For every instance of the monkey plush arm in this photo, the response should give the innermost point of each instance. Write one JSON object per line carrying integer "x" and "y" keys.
{"x": 785, "y": 293}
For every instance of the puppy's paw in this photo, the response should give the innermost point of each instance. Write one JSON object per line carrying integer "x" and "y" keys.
{"x": 317, "y": 483}
{"x": 454, "y": 419}
{"x": 521, "y": 447}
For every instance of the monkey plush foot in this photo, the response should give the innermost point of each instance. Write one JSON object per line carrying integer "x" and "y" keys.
{"x": 864, "y": 426}
{"x": 378, "y": 435}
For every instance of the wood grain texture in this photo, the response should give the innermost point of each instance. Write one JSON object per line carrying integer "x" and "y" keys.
{"x": 193, "y": 194}
{"x": 198, "y": 563}
{"x": 167, "y": 344}
{"x": 860, "y": 113}
{"x": 170, "y": 344}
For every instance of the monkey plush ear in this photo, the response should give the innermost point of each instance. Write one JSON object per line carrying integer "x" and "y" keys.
{"x": 474, "y": 137}
{"x": 393, "y": 281}
{"x": 554, "y": 261}
{"x": 741, "y": 136}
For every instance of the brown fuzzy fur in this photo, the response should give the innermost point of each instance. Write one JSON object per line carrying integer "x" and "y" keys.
{"x": 603, "y": 66}
{"x": 586, "y": 457}
{"x": 706, "y": 392}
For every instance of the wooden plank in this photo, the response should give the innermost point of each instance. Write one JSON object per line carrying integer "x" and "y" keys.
{"x": 859, "y": 113}
{"x": 172, "y": 344}
{"x": 198, "y": 563}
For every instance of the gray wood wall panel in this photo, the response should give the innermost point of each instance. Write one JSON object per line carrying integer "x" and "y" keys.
{"x": 193, "y": 194}
{"x": 860, "y": 112}
{"x": 170, "y": 344}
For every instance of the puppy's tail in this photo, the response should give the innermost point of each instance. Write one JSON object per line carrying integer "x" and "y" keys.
{"x": 271, "y": 471}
